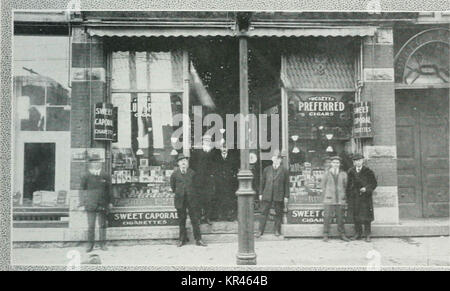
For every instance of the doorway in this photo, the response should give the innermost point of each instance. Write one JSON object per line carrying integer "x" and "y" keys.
{"x": 39, "y": 169}
{"x": 423, "y": 152}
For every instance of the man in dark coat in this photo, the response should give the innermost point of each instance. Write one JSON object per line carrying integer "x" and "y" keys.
{"x": 203, "y": 163}
{"x": 226, "y": 185}
{"x": 96, "y": 185}
{"x": 361, "y": 184}
{"x": 182, "y": 184}
{"x": 275, "y": 190}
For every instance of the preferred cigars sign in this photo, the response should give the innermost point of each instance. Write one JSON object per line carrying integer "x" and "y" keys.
{"x": 104, "y": 121}
{"x": 143, "y": 218}
{"x": 362, "y": 121}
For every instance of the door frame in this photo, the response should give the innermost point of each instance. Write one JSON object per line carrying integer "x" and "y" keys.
{"x": 61, "y": 139}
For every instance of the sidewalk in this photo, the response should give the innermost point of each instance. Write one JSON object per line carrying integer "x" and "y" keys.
{"x": 392, "y": 252}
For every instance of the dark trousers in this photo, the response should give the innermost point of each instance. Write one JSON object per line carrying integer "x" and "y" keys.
{"x": 207, "y": 201}
{"x": 91, "y": 218}
{"x": 195, "y": 221}
{"x": 359, "y": 227}
{"x": 329, "y": 212}
{"x": 226, "y": 206}
{"x": 265, "y": 209}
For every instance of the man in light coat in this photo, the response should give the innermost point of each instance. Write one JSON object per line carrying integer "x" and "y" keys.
{"x": 334, "y": 187}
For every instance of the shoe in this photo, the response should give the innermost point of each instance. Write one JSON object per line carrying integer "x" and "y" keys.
{"x": 344, "y": 238}
{"x": 104, "y": 248}
{"x": 368, "y": 239}
{"x": 200, "y": 243}
{"x": 181, "y": 243}
{"x": 325, "y": 238}
{"x": 208, "y": 221}
{"x": 277, "y": 233}
{"x": 258, "y": 234}
{"x": 356, "y": 237}
{"x": 89, "y": 248}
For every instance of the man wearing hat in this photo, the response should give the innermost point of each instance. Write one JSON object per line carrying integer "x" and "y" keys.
{"x": 274, "y": 190}
{"x": 204, "y": 163}
{"x": 361, "y": 183}
{"x": 182, "y": 184}
{"x": 97, "y": 201}
{"x": 334, "y": 186}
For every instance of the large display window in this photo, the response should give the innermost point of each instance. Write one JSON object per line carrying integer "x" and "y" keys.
{"x": 319, "y": 126}
{"x": 147, "y": 89}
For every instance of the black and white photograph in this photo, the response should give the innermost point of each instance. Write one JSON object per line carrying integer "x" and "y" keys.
{"x": 291, "y": 138}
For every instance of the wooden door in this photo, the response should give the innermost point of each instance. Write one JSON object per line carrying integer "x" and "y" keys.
{"x": 408, "y": 156}
{"x": 434, "y": 152}
{"x": 423, "y": 152}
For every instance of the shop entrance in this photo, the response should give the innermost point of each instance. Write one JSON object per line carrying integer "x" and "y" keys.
{"x": 423, "y": 152}
{"x": 39, "y": 168}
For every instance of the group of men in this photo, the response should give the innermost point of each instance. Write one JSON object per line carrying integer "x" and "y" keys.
{"x": 195, "y": 191}
{"x": 353, "y": 188}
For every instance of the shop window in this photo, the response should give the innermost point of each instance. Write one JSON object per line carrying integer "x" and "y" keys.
{"x": 319, "y": 127}
{"x": 41, "y": 69}
{"x": 147, "y": 91}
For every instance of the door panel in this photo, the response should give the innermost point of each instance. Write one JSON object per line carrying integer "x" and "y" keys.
{"x": 434, "y": 155}
{"x": 408, "y": 157}
{"x": 423, "y": 152}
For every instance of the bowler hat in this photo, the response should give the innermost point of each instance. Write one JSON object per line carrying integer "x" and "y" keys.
{"x": 181, "y": 157}
{"x": 357, "y": 157}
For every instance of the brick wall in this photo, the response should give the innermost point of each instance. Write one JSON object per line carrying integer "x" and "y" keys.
{"x": 88, "y": 87}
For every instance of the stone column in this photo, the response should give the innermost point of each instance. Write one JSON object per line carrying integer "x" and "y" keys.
{"x": 88, "y": 87}
{"x": 379, "y": 89}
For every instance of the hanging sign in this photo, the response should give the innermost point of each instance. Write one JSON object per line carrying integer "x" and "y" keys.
{"x": 362, "y": 122}
{"x": 104, "y": 121}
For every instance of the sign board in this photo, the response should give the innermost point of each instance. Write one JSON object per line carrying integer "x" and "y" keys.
{"x": 104, "y": 121}
{"x": 321, "y": 106}
{"x": 311, "y": 216}
{"x": 143, "y": 218}
{"x": 362, "y": 120}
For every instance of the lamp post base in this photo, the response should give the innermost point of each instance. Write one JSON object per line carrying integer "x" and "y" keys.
{"x": 246, "y": 259}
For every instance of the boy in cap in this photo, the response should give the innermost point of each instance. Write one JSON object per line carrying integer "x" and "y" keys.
{"x": 182, "y": 184}
{"x": 334, "y": 186}
{"x": 361, "y": 183}
{"x": 275, "y": 190}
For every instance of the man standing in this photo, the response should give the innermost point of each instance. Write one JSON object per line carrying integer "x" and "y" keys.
{"x": 182, "y": 184}
{"x": 226, "y": 185}
{"x": 97, "y": 202}
{"x": 334, "y": 186}
{"x": 361, "y": 183}
{"x": 275, "y": 190}
{"x": 203, "y": 165}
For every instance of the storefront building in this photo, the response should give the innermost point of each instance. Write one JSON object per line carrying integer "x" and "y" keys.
{"x": 355, "y": 82}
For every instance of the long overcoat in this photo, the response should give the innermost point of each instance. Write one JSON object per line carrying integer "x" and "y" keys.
{"x": 361, "y": 203}
{"x": 183, "y": 187}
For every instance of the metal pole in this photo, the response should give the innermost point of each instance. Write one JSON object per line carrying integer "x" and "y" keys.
{"x": 246, "y": 241}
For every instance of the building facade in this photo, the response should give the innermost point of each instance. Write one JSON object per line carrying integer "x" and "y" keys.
{"x": 106, "y": 86}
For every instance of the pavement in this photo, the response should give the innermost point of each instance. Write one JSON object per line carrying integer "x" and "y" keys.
{"x": 384, "y": 253}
